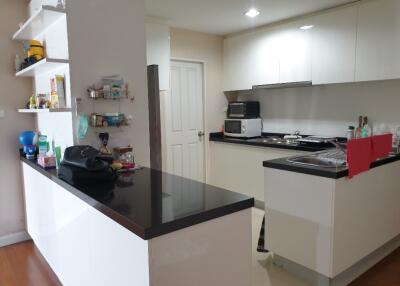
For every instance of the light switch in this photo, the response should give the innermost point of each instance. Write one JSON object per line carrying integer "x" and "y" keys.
{"x": 2, "y": 114}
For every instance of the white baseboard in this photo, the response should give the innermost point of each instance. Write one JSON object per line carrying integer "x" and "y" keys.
{"x": 14, "y": 238}
{"x": 344, "y": 278}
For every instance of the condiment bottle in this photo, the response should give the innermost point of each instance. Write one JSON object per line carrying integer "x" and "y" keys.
{"x": 366, "y": 130}
{"x": 359, "y": 128}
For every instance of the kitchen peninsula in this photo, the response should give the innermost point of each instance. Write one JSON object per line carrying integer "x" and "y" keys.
{"x": 147, "y": 228}
{"x": 328, "y": 228}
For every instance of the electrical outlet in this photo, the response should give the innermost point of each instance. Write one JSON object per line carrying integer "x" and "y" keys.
{"x": 2, "y": 114}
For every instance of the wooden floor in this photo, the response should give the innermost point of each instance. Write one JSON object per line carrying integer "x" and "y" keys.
{"x": 385, "y": 273}
{"x": 23, "y": 265}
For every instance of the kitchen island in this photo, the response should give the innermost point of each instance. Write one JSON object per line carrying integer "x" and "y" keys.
{"x": 328, "y": 228}
{"x": 147, "y": 228}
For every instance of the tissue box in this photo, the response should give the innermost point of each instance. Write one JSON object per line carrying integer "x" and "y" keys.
{"x": 47, "y": 161}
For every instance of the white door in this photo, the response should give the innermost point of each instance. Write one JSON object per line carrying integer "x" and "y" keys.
{"x": 185, "y": 122}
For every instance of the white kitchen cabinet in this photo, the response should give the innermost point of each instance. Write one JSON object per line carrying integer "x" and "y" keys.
{"x": 84, "y": 246}
{"x": 334, "y": 46}
{"x": 267, "y": 51}
{"x": 331, "y": 225}
{"x": 294, "y": 46}
{"x": 267, "y": 56}
{"x": 159, "y": 51}
{"x": 239, "y": 62}
{"x": 66, "y": 230}
{"x": 378, "y": 40}
{"x": 251, "y": 59}
{"x": 239, "y": 168}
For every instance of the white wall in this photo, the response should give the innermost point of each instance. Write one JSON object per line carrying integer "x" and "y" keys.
{"x": 158, "y": 48}
{"x": 14, "y": 94}
{"x": 186, "y": 44}
{"x": 105, "y": 38}
{"x": 330, "y": 109}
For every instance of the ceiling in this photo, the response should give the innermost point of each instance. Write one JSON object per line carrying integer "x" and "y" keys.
{"x": 223, "y": 17}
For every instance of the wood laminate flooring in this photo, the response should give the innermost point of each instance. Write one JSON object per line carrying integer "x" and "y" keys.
{"x": 22, "y": 265}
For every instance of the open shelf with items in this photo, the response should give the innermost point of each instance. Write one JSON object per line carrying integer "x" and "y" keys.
{"x": 112, "y": 93}
{"x": 37, "y": 24}
{"x": 45, "y": 110}
{"x": 41, "y": 67}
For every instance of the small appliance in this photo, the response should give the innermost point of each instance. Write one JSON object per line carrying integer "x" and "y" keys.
{"x": 244, "y": 109}
{"x": 243, "y": 128}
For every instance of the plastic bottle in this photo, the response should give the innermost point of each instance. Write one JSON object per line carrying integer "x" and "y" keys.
{"x": 366, "y": 130}
{"x": 359, "y": 128}
{"x": 350, "y": 133}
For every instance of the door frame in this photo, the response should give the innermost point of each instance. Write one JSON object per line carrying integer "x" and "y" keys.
{"x": 205, "y": 129}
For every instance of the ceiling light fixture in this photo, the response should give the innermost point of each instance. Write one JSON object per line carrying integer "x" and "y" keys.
{"x": 251, "y": 13}
{"x": 307, "y": 27}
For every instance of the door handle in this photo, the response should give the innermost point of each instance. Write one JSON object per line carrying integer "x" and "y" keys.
{"x": 200, "y": 134}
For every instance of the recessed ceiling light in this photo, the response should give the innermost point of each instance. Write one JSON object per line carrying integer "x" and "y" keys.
{"x": 307, "y": 27}
{"x": 252, "y": 13}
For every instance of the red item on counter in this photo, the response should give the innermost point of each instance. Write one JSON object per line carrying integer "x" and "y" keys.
{"x": 381, "y": 146}
{"x": 359, "y": 154}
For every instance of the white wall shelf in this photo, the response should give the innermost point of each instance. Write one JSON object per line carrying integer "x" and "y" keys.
{"x": 39, "y": 22}
{"x": 41, "y": 67}
{"x": 45, "y": 110}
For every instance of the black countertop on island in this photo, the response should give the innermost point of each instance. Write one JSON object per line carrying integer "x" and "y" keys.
{"x": 151, "y": 203}
{"x": 332, "y": 173}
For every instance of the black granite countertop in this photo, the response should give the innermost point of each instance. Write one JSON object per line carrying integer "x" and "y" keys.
{"x": 219, "y": 137}
{"x": 151, "y": 203}
{"x": 333, "y": 173}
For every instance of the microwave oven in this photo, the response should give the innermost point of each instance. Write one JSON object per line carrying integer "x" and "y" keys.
{"x": 244, "y": 109}
{"x": 244, "y": 128}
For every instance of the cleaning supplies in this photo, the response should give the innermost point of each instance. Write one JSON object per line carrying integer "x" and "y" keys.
{"x": 366, "y": 130}
{"x": 350, "y": 134}
{"x": 359, "y": 128}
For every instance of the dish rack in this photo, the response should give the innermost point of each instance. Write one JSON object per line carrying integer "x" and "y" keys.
{"x": 108, "y": 120}
{"x": 109, "y": 93}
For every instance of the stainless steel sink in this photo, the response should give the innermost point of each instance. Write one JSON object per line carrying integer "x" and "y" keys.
{"x": 325, "y": 159}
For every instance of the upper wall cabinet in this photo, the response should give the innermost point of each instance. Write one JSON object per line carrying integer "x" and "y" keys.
{"x": 239, "y": 62}
{"x": 378, "y": 40}
{"x": 334, "y": 46}
{"x": 267, "y": 56}
{"x": 360, "y": 42}
{"x": 294, "y": 52}
{"x": 250, "y": 59}
{"x": 159, "y": 51}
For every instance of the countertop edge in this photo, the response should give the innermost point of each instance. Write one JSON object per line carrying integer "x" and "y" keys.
{"x": 196, "y": 219}
{"x": 216, "y": 137}
{"x": 321, "y": 172}
{"x": 144, "y": 233}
